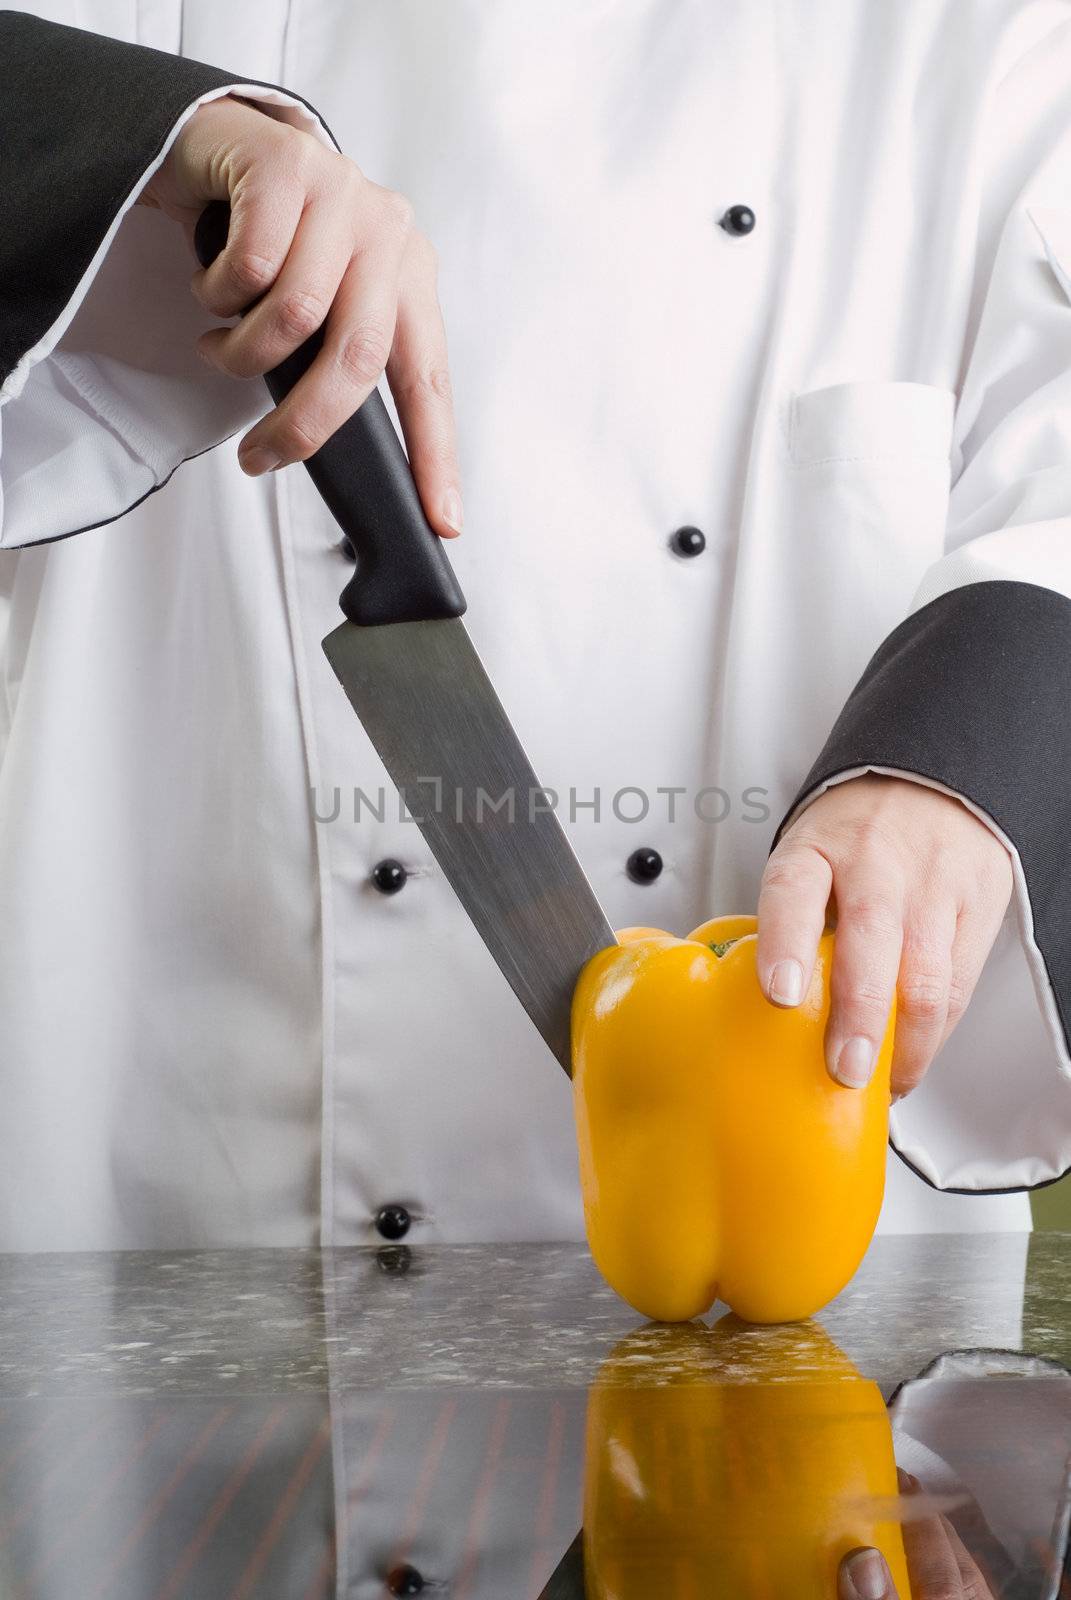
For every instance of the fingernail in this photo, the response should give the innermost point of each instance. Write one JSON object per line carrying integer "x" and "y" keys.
{"x": 786, "y": 983}
{"x": 855, "y": 1064}
{"x": 453, "y": 514}
{"x": 257, "y": 460}
{"x": 868, "y": 1575}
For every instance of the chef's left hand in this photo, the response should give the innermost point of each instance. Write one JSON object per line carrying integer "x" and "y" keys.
{"x": 918, "y": 887}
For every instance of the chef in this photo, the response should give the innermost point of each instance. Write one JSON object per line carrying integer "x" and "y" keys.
{"x": 760, "y": 337}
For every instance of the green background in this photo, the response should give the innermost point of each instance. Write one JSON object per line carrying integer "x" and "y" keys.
{"x": 1052, "y": 1206}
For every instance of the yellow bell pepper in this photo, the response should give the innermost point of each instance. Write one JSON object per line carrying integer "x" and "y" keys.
{"x": 718, "y": 1158}
{"x": 729, "y": 1462}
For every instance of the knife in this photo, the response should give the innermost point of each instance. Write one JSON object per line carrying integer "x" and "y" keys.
{"x": 413, "y": 677}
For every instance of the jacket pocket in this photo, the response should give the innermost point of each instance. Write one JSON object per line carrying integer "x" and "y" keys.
{"x": 861, "y": 423}
{"x": 864, "y": 489}
{"x": 870, "y": 472}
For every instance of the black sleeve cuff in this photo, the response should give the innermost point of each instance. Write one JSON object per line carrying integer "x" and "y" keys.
{"x": 81, "y": 117}
{"x": 973, "y": 692}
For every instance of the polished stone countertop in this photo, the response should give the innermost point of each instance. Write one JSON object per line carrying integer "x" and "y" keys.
{"x": 490, "y": 1422}
{"x": 485, "y": 1316}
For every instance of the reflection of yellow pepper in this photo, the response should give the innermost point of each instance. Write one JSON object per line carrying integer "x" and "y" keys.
{"x": 717, "y": 1156}
{"x": 733, "y": 1462}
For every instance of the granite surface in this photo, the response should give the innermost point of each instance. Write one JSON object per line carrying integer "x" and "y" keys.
{"x": 288, "y": 1322}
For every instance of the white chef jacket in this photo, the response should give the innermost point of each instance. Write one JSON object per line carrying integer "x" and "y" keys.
{"x": 215, "y": 1030}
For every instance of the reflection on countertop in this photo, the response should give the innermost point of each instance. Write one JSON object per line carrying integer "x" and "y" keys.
{"x": 491, "y": 1423}
{"x": 516, "y": 1316}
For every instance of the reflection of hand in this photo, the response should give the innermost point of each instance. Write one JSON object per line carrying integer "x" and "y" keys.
{"x": 863, "y": 1575}
{"x": 939, "y": 1564}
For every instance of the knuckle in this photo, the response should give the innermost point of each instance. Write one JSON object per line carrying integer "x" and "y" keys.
{"x": 363, "y": 353}
{"x": 230, "y": 358}
{"x": 873, "y": 914}
{"x": 296, "y": 438}
{"x": 300, "y": 314}
{"x": 786, "y": 868}
{"x": 341, "y": 180}
{"x": 924, "y": 997}
{"x": 437, "y": 382}
{"x": 215, "y": 297}
{"x": 863, "y": 996}
{"x": 350, "y": 182}
{"x": 959, "y": 993}
{"x": 398, "y": 211}
{"x": 304, "y": 153}
{"x": 424, "y": 253}
{"x": 992, "y": 873}
{"x": 432, "y": 384}
{"x": 249, "y": 273}
{"x": 940, "y": 868}
{"x": 872, "y": 838}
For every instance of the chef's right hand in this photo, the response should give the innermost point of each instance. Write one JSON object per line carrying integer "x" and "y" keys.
{"x": 324, "y": 246}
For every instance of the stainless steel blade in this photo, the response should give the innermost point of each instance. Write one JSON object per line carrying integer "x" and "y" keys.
{"x": 430, "y": 709}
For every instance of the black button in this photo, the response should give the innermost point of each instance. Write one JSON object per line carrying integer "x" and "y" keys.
{"x": 689, "y": 541}
{"x": 393, "y": 1222}
{"x": 389, "y": 876}
{"x": 394, "y": 1259}
{"x": 644, "y": 865}
{"x": 345, "y": 545}
{"x": 738, "y": 220}
{"x": 405, "y": 1580}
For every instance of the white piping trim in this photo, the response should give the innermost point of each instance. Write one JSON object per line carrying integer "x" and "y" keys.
{"x": 1039, "y": 976}
{"x": 1024, "y": 913}
{"x": 288, "y": 69}
{"x": 320, "y": 857}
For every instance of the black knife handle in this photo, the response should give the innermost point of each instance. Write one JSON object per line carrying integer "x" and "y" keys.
{"x": 403, "y": 574}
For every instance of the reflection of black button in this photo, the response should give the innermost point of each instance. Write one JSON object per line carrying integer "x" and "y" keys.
{"x": 405, "y": 1580}
{"x": 644, "y": 866}
{"x": 393, "y": 1222}
{"x": 389, "y": 876}
{"x": 689, "y": 541}
{"x": 394, "y": 1259}
{"x": 345, "y": 545}
{"x": 738, "y": 220}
